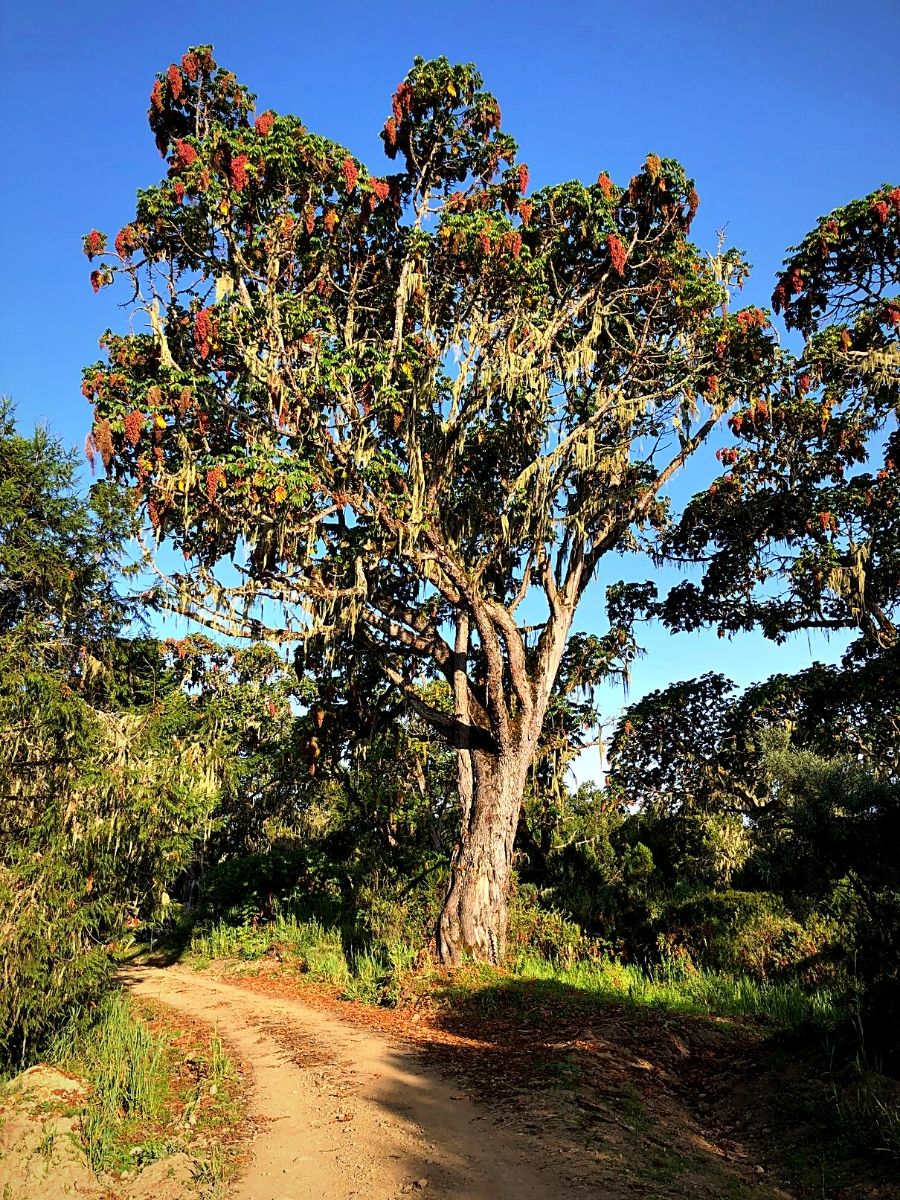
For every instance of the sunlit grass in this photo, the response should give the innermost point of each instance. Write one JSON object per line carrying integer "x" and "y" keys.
{"x": 142, "y": 1104}
{"x": 375, "y": 975}
{"x": 127, "y": 1066}
{"x": 786, "y": 1004}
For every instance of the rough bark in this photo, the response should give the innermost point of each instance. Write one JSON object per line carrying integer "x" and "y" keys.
{"x": 474, "y": 917}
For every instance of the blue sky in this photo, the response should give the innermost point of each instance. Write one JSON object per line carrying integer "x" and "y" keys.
{"x": 780, "y": 111}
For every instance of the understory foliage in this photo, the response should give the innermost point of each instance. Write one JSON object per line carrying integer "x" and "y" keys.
{"x": 114, "y": 761}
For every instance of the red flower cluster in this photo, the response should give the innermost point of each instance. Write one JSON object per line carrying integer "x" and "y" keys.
{"x": 780, "y": 298}
{"x": 134, "y": 424}
{"x": 827, "y": 520}
{"x": 214, "y": 477}
{"x": 485, "y": 242}
{"x": 310, "y": 220}
{"x": 804, "y": 383}
{"x": 238, "y": 172}
{"x": 103, "y": 440}
{"x": 751, "y": 318}
{"x": 729, "y": 457}
{"x": 96, "y": 281}
{"x": 126, "y": 242}
{"x": 204, "y": 330}
{"x": 330, "y": 220}
{"x": 514, "y": 244}
{"x": 287, "y": 226}
{"x": 390, "y": 132}
{"x": 526, "y": 208}
{"x": 156, "y": 96}
{"x": 795, "y": 281}
{"x": 892, "y": 314}
{"x": 712, "y": 386}
{"x": 693, "y": 204}
{"x": 381, "y": 188}
{"x": 617, "y": 254}
{"x": 176, "y": 81}
{"x": 179, "y": 191}
{"x": 185, "y": 152}
{"x": 606, "y": 185}
{"x": 94, "y": 243}
{"x": 264, "y": 122}
{"x": 350, "y": 173}
{"x": 880, "y": 210}
{"x": 191, "y": 66}
{"x": 402, "y": 101}
{"x": 523, "y": 178}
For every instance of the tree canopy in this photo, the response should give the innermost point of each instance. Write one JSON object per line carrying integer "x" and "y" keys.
{"x": 802, "y": 531}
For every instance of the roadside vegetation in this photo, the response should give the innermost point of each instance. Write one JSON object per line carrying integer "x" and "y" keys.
{"x": 146, "y": 1102}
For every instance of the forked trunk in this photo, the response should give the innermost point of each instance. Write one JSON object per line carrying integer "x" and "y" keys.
{"x": 473, "y": 920}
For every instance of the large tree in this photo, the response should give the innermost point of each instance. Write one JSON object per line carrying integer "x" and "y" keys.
{"x": 399, "y": 407}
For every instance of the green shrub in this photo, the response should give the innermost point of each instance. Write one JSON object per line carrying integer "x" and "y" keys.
{"x": 749, "y": 933}
{"x": 544, "y": 931}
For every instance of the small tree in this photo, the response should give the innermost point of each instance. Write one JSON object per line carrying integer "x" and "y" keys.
{"x": 802, "y": 531}
{"x": 105, "y": 779}
{"x": 405, "y": 404}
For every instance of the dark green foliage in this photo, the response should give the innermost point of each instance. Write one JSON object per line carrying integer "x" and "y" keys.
{"x": 835, "y": 844}
{"x": 764, "y": 793}
{"x": 103, "y": 779}
{"x": 747, "y": 933}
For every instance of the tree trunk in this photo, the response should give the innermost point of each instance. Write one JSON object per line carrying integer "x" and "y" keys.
{"x": 473, "y": 920}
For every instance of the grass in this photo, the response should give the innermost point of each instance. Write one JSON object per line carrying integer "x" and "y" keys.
{"x": 377, "y": 976}
{"x": 148, "y": 1098}
{"x": 868, "y": 1109}
{"x": 786, "y": 1005}
{"x": 315, "y": 950}
{"x": 318, "y": 950}
{"x": 127, "y": 1066}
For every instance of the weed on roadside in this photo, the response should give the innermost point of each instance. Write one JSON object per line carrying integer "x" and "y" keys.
{"x": 156, "y": 1089}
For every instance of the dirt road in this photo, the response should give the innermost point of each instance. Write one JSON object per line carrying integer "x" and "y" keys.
{"x": 343, "y": 1114}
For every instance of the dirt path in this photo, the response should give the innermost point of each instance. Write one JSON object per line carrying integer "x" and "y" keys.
{"x": 344, "y": 1114}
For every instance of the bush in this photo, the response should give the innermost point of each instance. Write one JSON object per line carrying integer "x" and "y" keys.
{"x": 747, "y": 932}
{"x": 545, "y": 932}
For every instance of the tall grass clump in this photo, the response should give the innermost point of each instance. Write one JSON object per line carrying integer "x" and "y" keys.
{"x": 785, "y": 1004}
{"x": 343, "y": 958}
{"x": 127, "y": 1066}
{"x": 316, "y": 949}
